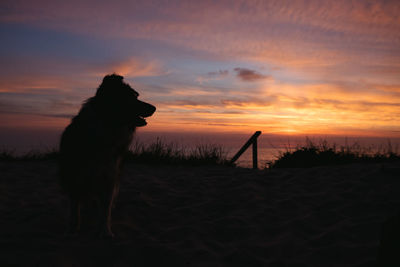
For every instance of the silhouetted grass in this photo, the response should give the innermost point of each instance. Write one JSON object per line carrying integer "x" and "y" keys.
{"x": 158, "y": 152}
{"x": 308, "y": 155}
{"x": 10, "y": 155}
{"x": 311, "y": 155}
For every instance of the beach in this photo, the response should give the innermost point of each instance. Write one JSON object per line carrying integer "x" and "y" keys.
{"x": 169, "y": 215}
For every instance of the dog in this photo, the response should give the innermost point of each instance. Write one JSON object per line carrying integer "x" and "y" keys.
{"x": 93, "y": 145}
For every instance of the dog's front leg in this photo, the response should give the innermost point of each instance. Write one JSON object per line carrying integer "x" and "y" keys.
{"x": 105, "y": 208}
{"x": 74, "y": 215}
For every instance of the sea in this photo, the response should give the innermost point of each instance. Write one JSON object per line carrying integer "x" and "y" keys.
{"x": 269, "y": 146}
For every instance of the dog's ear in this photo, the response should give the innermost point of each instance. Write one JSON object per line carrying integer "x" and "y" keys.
{"x": 109, "y": 82}
{"x": 112, "y": 79}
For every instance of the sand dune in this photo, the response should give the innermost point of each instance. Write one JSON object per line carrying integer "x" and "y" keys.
{"x": 204, "y": 216}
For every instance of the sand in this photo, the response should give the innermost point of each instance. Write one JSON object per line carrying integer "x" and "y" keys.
{"x": 204, "y": 216}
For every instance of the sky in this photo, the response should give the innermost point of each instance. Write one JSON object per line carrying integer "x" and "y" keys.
{"x": 282, "y": 67}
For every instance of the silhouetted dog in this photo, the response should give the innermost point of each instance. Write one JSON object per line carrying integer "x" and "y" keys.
{"x": 93, "y": 145}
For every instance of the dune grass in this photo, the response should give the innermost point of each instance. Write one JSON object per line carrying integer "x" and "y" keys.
{"x": 309, "y": 155}
{"x": 319, "y": 154}
{"x": 11, "y": 155}
{"x": 158, "y": 152}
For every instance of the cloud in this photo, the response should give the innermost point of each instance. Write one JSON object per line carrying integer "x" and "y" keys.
{"x": 189, "y": 103}
{"x": 248, "y": 75}
{"x": 249, "y": 102}
{"x": 50, "y": 105}
{"x": 290, "y": 33}
{"x": 326, "y": 55}
{"x": 220, "y": 73}
{"x": 212, "y": 76}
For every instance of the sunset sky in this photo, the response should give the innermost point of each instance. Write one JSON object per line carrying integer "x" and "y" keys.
{"x": 282, "y": 67}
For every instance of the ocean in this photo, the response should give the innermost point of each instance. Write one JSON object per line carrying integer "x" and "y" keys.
{"x": 269, "y": 146}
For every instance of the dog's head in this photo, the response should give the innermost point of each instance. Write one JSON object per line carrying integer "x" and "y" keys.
{"x": 121, "y": 101}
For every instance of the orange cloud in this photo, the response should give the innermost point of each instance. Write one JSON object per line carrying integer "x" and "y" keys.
{"x": 23, "y": 121}
{"x": 287, "y": 108}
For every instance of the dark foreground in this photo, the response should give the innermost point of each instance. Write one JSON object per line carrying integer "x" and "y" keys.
{"x": 204, "y": 216}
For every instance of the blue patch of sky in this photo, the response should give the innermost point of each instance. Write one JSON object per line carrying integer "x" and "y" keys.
{"x": 184, "y": 65}
{"x": 25, "y": 40}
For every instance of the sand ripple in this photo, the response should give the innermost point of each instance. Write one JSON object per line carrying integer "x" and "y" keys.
{"x": 204, "y": 216}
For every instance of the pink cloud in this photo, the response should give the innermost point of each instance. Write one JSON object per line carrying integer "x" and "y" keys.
{"x": 284, "y": 32}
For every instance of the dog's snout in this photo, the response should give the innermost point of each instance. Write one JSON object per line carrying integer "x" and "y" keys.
{"x": 147, "y": 109}
{"x": 152, "y": 109}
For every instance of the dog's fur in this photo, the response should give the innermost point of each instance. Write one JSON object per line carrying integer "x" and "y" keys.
{"x": 93, "y": 145}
